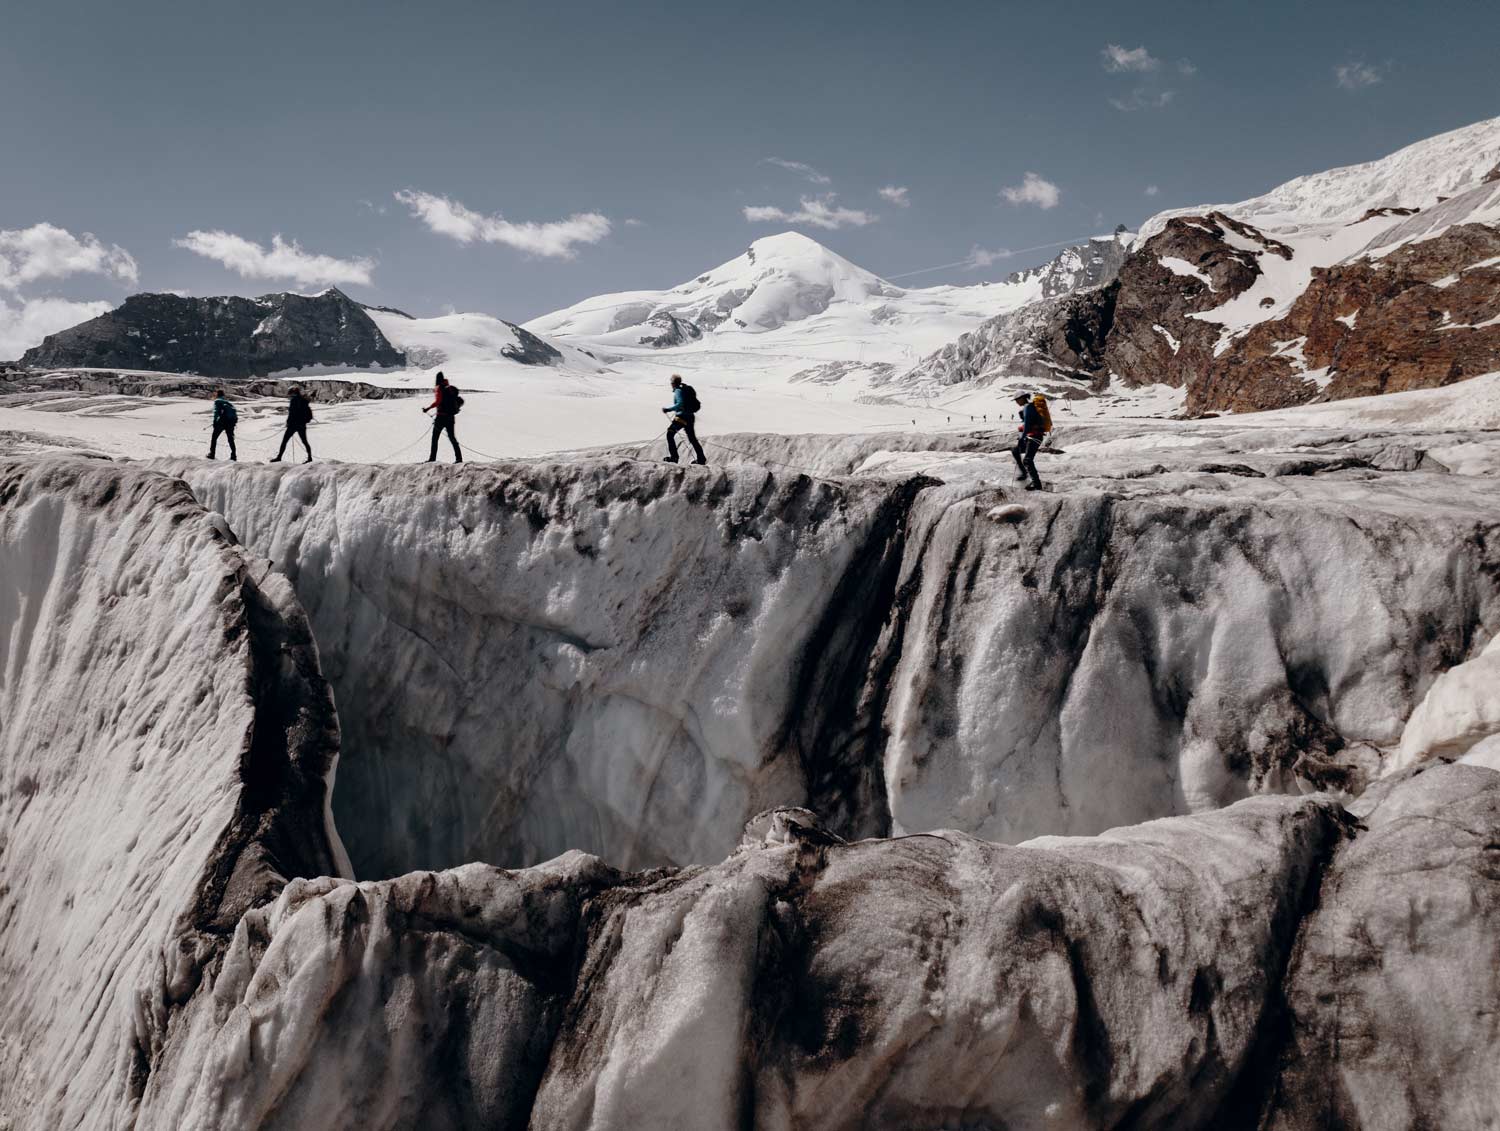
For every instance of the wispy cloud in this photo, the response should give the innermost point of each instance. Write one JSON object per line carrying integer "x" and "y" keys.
{"x": 980, "y": 257}
{"x": 25, "y": 325}
{"x": 1186, "y": 68}
{"x": 1356, "y": 75}
{"x": 632, "y": 222}
{"x": 284, "y": 259}
{"x": 45, "y": 251}
{"x": 1142, "y": 99}
{"x": 1033, "y": 189}
{"x": 1152, "y": 190}
{"x": 895, "y": 194}
{"x": 1117, "y": 58}
{"x": 554, "y": 239}
{"x": 820, "y": 212}
{"x": 800, "y": 168}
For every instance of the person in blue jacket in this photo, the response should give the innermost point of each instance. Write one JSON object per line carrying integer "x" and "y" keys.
{"x": 683, "y": 409}
{"x": 225, "y": 418}
{"x": 1033, "y": 429}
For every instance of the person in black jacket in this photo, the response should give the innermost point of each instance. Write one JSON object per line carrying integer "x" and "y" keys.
{"x": 1033, "y": 429}
{"x": 225, "y": 419}
{"x": 446, "y": 400}
{"x": 298, "y": 415}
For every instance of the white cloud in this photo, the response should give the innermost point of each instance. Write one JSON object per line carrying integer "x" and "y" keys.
{"x": 1186, "y": 68}
{"x": 1117, "y": 58}
{"x": 985, "y": 257}
{"x": 896, "y": 194}
{"x": 820, "y": 212}
{"x": 632, "y": 222}
{"x": 45, "y": 251}
{"x": 800, "y": 168}
{"x": 24, "y": 326}
{"x": 554, "y": 239}
{"x": 282, "y": 260}
{"x": 1143, "y": 99}
{"x": 1033, "y": 189}
{"x": 1152, "y": 190}
{"x": 1357, "y": 75}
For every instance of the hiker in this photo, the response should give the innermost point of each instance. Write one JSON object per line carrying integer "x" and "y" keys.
{"x": 298, "y": 416}
{"x": 446, "y": 400}
{"x": 1033, "y": 429}
{"x": 683, "y": 409}
{"x": 225, "y": 418}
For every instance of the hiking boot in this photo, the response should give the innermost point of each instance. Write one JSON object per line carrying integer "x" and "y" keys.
{"x": 1033, "y": 486}
{"x": 275, "y": 459}
{"x": 670, "y": 459}
{"x": 700, "y": 463}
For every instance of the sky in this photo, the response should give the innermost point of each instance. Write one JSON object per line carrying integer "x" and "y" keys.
{"x": 516, "y": 158}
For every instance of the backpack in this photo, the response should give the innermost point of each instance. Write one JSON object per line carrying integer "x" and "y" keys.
{"x": 299, "y": 411}
{"x": 224, "y": 413}
{"x": 452, "y": 402}
{"x": 1039, "y": 403}
{"x": 690, "y": 402}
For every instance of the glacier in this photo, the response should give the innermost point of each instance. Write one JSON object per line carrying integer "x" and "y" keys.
{"x": 837, "y": 785}
{"x": 632, "y": 660}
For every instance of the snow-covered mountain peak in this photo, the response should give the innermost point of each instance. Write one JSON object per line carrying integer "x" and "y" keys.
{"x": 797, "y": 260}
{"x": 1412, "y": 177}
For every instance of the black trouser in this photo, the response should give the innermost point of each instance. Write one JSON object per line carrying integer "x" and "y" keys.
{"x": 1025, "y": 453}
{"x": 683, "y": 424}
{"x": 213, "y": 443}
{"x": 298, "y": 430}
{"x": 441, "y": 424}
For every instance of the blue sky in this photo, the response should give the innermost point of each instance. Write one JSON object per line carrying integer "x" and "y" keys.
{"x": 633, "y": 137}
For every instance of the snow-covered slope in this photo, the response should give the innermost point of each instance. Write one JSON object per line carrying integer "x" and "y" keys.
{"x": 474, "y": 344}
{"x": 1373, "y": 278}
{"x": 1413, "y": 177}
{"x": 166, "y": 750}
{"x": 786, "y": 306}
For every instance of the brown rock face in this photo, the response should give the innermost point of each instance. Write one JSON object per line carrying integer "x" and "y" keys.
{"x": 1153, "y": 340}
{"x": 1420, "y": 317}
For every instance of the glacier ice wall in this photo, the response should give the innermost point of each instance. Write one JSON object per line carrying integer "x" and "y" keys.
{"x": 631, "y": 660}
{"x": 166, "y": 752}
{"x": 595, "y": 655}
{"x": 803, "y": 982}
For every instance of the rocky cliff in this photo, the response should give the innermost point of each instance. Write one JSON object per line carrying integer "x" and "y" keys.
{"x": 222, "y": 337}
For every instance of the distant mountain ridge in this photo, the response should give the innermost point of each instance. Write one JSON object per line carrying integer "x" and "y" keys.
{"x": 1373, "y": 278}
{"x": 223, "y": 337}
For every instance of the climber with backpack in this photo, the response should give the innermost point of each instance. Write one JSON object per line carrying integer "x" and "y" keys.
{"x": 225, "y": 418}
{"x": 683, "y": 409}
{"x": 446, "y": 400}
{"x": 1036, "y": 422}
{"x": 298, "y": 417}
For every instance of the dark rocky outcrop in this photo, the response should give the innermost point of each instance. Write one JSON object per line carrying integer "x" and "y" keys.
{"x": 222, "y": 337}
{"x": 1421, "y": 316}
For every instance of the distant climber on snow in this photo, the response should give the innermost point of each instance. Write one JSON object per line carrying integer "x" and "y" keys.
{"x": 1036, "y": 422}
{"x": 683, "y": 409}
{"x": 446, "y": 400}
{"x": 225, "y": 418}
{"x": 298, "y": 416}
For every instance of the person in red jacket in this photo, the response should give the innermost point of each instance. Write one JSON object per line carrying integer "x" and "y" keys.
{"x": 446, "y": 400}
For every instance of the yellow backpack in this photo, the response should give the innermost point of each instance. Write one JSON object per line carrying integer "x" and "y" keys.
{"x": 1039, "y": 403}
